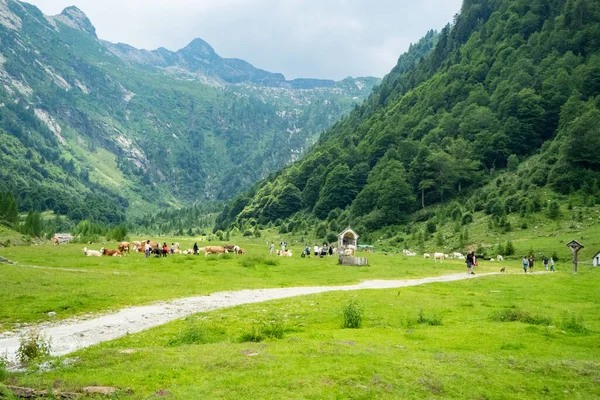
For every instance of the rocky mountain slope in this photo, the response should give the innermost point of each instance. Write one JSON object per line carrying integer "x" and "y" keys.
{"x": 509, "y": 81}
{"x": 94, "y": 130}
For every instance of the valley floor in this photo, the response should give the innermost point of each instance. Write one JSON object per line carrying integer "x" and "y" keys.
{"x": 69, "y": 336}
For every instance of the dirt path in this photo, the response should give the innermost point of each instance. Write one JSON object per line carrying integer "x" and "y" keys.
{"x": 69, "y": 336}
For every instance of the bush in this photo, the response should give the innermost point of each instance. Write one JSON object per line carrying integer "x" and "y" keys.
{"x": 428, "y": 320}
{"x": 32, "y": 346}
{"x": 352, "y": 315}
{"x": 509, "y": 248}
{"x": 247, "y": 234}
{"x": 553, "y": 210}
{"x": 573, "y": 324}
{"x": 513, "y": 315}
{"x": 261, "y": 330}
{"x": 555, "y": 256}
{"x": 431, "y": 227}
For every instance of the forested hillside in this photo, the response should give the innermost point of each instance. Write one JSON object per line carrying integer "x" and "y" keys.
{"x": 506, "y": 81}
{"x": 88, "y": 133}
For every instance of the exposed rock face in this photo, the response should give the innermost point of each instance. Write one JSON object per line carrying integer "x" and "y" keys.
{"x": 76, "y": 19}
{"x": 7, "y": 18}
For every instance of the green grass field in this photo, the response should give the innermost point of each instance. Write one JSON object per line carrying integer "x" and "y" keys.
{"x": 108, "y": 283}
{"x": 433, "y": 341}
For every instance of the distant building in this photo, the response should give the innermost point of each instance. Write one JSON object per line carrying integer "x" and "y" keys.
{"x": 596, "y": 260}
{"x": 348, "y": 239}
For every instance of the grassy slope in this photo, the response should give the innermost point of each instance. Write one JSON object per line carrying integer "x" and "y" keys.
{"x": 468, "y": 356}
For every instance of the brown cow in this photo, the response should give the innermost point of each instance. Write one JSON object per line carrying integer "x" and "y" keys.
{"x": 230, "y": 247}
{"x": 214, "y": 250}
{"x": 137, "y": 246}
{"x": 124, "y": 247}
{"x": 111, "y": 253}
{"x": 241, "y": 251}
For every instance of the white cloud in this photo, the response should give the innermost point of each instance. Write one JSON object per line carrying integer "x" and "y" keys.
{"x": 300, "y": 38}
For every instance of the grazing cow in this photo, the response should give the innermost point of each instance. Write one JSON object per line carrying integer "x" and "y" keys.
{"x": 500, "y": 258}
{"x": 458, "y": 255}
{"x": 230, "y": 247}
{"x": 214, "y": 250}
{"x": 55, "y": 241}
{"x": 426, "y": 255}
{"x": 91, "y": 253}
{"x": 438, "y": 256}
{"x": 110, "y": 253}
{"x": 124, "y": 247}
{"x": 409, "y": 253}
{"x": 491, "y": 259}
{"x": 241, "y": 251}
{"x": 176, "y": 251}
{"x": 287, "y": 253}
{"x": 446, "y": 256}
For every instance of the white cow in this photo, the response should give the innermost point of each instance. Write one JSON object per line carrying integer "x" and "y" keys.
{"x": 91, "y": 253}
{"x": 438, "y": 256}
{"x": 426, "y": 255}
{"x": 408, "y": 253}
{"x": 458, "y": 255}
{"x": 500, "y": 258}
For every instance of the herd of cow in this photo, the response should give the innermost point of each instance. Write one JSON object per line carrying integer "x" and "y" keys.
{"x": 442, "y": 256}
{"x": 124, "y": 248}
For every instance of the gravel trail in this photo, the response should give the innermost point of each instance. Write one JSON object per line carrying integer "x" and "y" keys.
{"x": 71, "y": 335}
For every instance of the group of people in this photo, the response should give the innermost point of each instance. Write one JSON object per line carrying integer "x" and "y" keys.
{"x": 272, "y": 247}
{"x": 322, "y": 251}
{"x": 528, "y": 262}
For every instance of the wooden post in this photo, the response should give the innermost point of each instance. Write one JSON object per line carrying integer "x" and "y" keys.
{"x": 575, "y": 246}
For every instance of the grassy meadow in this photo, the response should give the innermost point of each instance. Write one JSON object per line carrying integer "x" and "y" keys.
{"x": 70, "y": 283}
{"x": 509, "y": 336}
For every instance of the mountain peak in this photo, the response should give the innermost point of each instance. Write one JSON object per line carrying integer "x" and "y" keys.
{"x": 76, "y": 19}
{"x": 200, "y": 47}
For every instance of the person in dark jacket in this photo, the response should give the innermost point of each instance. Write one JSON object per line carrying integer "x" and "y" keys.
{"x": 196, "y": 249}
{"x": 470, "y": 260}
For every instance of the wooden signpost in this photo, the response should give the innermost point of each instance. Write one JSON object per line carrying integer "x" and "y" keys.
{"x": 575, "y": 246}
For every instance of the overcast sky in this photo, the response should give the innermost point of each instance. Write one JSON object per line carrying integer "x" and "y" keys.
{"x": 329, "y": 39}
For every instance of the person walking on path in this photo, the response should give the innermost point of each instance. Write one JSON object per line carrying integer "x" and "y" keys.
{"x": 531, "y": 260}
{"x": 469, "y": 261}
{"x": 525, "y": 264}
{"x": 271, "y": 249}
{"x": 545, "y": 262}
{"x": 552, "y": 264}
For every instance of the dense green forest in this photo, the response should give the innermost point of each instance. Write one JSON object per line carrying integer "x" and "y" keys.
{"x": 88, "y": 135}
{"x": 507, "y": 83}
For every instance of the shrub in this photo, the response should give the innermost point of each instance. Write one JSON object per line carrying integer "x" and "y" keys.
{"x": 431, "y": 227}
{"x": 467, "y": 219}
{"x": 509, "y": 248}
{"x": 247, "y": 234}
{"x": 352, "y": 315}
{"x": 573, "y": 324}
{"x": 555, "y": 256}
{"x": 32, "y": 346}
{"x": 553, "y": 210}
{"x": 261, "y": 330}
{"x": 514, "y": 315}
{"x": 434, "y": 320}
{"x": 271, "y": 262}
